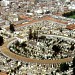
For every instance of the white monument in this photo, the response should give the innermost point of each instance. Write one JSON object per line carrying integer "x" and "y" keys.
{"x": 4, "y": 3}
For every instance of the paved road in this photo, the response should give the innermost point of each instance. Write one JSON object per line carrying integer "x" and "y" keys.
{"x": 3, "y": 73}
{"x": 40, "y": 19}
{"x": 43, "y": 18}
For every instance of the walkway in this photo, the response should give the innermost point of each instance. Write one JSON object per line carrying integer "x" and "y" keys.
{"x": 7, "y": 52}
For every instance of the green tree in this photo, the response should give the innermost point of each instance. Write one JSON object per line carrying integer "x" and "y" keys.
{"x": 72, "y": 47}
{"x": 28, "y": 11}
{"x": 56, "y": 48}
{"x": 17, "y": 43}
{"x": 73, "y": 62}
{"x": 30, "y": 34}
{"x": 35, "y": 35}
{"x": 61, "y": 30}
{"x": 0, "y": 28}
{"x": 1, "y": 41}
{"x": 42, "y": 37}
{"x": 23, "y": 44}
{"x": 12, "y": 29}
{"x": 74, "y": 71}
{"x": 64, "y": 74}
{"x": 64, "y": 67}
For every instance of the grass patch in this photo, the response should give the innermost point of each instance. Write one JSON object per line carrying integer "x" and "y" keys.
{"x": 73, "y": 16}
{"x": 69, "y": 14}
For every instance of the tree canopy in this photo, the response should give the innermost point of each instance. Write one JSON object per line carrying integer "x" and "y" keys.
{"x": 73, "y": 62}
{"x": 42, "y": 37}
{"x": 56, "y": 48}
{"x": 30, "y": 34}
{"x": 73, "y": 71}
{"x": 64, "y": 67}
{"x": 12, "y": 29}
{"x": 72, "y": 47}
{"x": 1, "y": 40}
{"x": 0, "y": 28}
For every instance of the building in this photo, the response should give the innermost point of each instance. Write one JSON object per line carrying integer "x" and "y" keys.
{"x": 4, "y": 2}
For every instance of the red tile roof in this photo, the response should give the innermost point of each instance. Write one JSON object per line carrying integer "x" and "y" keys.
{"x": 71, "y": 27}
{"x": 3, "y": 73}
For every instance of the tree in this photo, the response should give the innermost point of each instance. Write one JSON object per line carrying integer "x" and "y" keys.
{"x": 72, "y": 47}
{"x": 35, "y": 35}
{"x": 19, "y": 7}
{"x": 47, "y": 12}
{"x": 64, "y": 74}
{"x": 18, "y": 50}
{"x": 73, "y": 62}
{"x": 23, "y": 44}
{"x": 17, "y": 43}
{"x": 64, "y": 67}
{"x": 28, "y": 11}
{"x": 56, "y": 48}
{"x": 42, "y": 37}
{"x": 1, "y": 41}
{"x": 12, "y": 29}
{"x": 0, "y": 28}
{"x": 61, "y": 30}
{"x": 69, "y": 14}
{"x": 52, "y": 73}
{"x": 57, "y": 70}
{"x": 74, "y": 71}
{"x": 30, "y": 34}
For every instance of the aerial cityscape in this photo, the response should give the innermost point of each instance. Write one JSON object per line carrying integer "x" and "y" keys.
{"x": 37, "y": 37}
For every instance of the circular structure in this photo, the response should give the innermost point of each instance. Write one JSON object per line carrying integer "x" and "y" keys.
{"x": 47, "y": 61}
{"x": 44, "y": 26}
{"x": 42, "y": 42}
{"x": 46, "y": 47}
